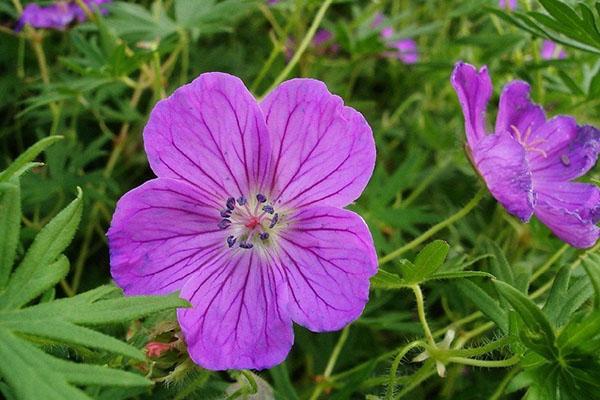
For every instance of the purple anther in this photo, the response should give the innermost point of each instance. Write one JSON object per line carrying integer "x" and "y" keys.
{"x": 268, "y": 209}
{"x": 231, "y": 203}
{"x": 224, "y": 223}
{"x": 261, "y": 198}
{"x": 263, "y": 236}
{"x": 274, "y": 220}
{"x": 231, "y": 241}
{"x": 225, "y": 213}
{"x": 242, "y": 201}
{"x": 246, "y": 245}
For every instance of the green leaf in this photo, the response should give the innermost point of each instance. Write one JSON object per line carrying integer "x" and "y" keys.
{"x": 499, "y": 266}
{"x": 429, "y": 260}
{"x": 591, "y": 264}
{"x": 27, "y": 156}
{"x": 460, "y": 275}
{"x": 282, "y": 384}
{"x": 484, "y": 302}
{"x": 97, "y": 312}
{"x": 47, "y": 246}
{"x": 387, "y": 280}
{"x": 557, "y": 295}
{"x": 67, "y": 332}
{"x": 537, "y": 333}
{"x": 43, "y": 279}
{"x": 10, "y": 226}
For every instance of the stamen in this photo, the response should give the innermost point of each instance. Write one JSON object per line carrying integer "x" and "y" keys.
{"x": 224, "y": 224}
{"x": 268, "y": 209}
{"x": 263, "y": 236}
{"x": 274, "y": 220}
{"x": 231, "y": 203}
{"x": 231, "y": 241}
{"x": 225, "y": 213}
{"x": 261, "y": 198}
{"x": 246, "y": 245}
{"x": 564, "y": 159}
{"x": 242, "y": 200}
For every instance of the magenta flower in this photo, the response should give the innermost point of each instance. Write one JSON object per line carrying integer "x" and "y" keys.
{"x": 246, "y": 217}
{"x": 58, "y": 15}
{"x": 406, "y": 51}
{"x": 551, "y": 51}
{"x": 529, "y": 162}
{"x": 507, "y": 4}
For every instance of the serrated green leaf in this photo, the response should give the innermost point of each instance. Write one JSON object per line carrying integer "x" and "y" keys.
{"x": 20, "y": 367}
{"x": 27, "y": 157}
{"x": 47, "y": 246}
{"x": 537, "y": 333}
{"x": 430, "y": 259}
{"x": 459, "y": 275}
{"x": 43, "y": 279}
{"x": 99, "y": 312}
{"x": 10, "y": 226}
{"x": 69, "y": 333}
{"x": 579, "y": 292}
{"x": 499, "y": 266}
{"x": 557, "y": 295}
{"x": 484, "y": 302}
{"x": 387, "y": 280}
{"x": 581, "y": 334}
{"x": 591, "y": 264}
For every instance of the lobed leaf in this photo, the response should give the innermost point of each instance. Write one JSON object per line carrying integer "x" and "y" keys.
{"x": 27, "y": 157}
{"x": 10, "y": 226}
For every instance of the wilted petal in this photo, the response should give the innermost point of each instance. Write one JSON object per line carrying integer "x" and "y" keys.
{"x": 501, "y": 161}
{"x": 327, "y": 256}
{"x": 161, "y": 233}
{"x": 210, "y": 133}
{"x": 517, "y": 112}
{"x": 571, "y": 210}
{"x": 474, "y": 89}
{"x": 323, "y": 152}
{"x": 570, "y": 158}
{"x": 238, "y": 319}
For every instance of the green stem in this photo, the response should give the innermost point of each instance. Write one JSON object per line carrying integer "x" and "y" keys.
{"x": 436, "y": 228}
{"x": 486, "y": 363}
{"x": 421, "y": 312}
{"x": 396, "y": 363}
{"x": 303, "y": 45}
{"x": 539, "y": 272}
{"x": 331, "y": 363}
{"x": 504, "y": 383}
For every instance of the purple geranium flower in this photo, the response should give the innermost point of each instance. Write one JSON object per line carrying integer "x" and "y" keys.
{"x": 529, "y": 162}
{"x": 246, "y": 217}
{"x": 58, "y": 15}
{"x": 551, "y": 51}
{"x": 507, "y": 4}
{"x": 406, "y": 51}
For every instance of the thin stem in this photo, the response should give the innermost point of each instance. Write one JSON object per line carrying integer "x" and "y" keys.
{"x": 303, "y": 45}
{"x": 331, "y": 363}
{"x": 86, "y": 10}
{"x": 539, "y": 272}
{"x": 396, "y": 363}
{"x": 486, "y": 363}
{"x": 421, "y": 312}
{"x": 436, "y": 228}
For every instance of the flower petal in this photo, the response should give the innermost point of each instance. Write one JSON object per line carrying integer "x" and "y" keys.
{"x": 474, "y": 89}
{"x": 571, "y": 210}
{"x": 516, "y": 111}
{"x": 323, "y": 152}
{"x": 210, "y": 133}
{"x": 327, "y": 255}
{"x": 238, "y": 319}
{"x": 161, "y": 233}
{"x": 570, "y": 157}
{"x": 500, "y": 160}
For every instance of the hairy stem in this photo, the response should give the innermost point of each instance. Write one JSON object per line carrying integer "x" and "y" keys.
{"x": 436, "y": 228}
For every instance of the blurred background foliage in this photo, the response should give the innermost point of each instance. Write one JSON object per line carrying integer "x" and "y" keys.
{"x": 95, "y": 83}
